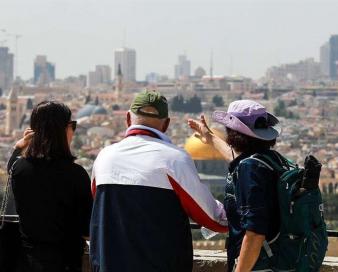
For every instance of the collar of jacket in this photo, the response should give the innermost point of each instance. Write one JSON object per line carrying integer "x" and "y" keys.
{"x": 144, "y": 130}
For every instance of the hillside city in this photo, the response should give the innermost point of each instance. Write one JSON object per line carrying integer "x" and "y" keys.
{"x": 304, "y": 96}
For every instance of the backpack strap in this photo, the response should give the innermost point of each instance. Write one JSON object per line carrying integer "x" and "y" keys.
{"x": 262, "y": 161}
{"x": 280, "y": 167}
{"x": 266, "y": 161}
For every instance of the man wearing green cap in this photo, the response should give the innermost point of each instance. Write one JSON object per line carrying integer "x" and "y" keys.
{"x": 145, "y": 190}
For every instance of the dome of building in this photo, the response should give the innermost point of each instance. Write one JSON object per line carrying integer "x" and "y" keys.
{"x": 89, "y": 110}
{"x": 200, "y": 72}
{"x": 85, "y": 111}
{"x": 99, "y": 110}
{"x": 200, "y": 151}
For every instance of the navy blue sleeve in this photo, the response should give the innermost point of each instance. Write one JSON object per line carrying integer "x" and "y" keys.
{"x": 253, "y": 196}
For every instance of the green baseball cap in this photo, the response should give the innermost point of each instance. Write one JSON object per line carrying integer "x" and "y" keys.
{"x": 150, "y": 99}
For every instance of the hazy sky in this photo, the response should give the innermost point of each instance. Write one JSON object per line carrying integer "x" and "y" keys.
{"x": 246, "y": 36}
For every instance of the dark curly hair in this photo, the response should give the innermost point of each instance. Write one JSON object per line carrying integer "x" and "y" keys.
{"x": 245, "y": 144}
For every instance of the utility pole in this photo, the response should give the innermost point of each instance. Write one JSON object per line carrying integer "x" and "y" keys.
{"x": 16, "y": 67}
{"x": 211, "y": 65}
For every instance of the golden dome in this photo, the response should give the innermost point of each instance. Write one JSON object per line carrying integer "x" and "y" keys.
{"x": 200, "y": 151}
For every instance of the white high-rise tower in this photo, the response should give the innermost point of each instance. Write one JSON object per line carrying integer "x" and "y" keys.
{"x": 125, "y": 57}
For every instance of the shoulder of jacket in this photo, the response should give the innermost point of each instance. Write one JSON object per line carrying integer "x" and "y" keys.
{"x": 254, "y": 160}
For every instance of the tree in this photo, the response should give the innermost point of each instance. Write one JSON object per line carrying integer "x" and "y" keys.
{"x": 177, "y": 103}
{"x": 29, "y": 104}
{"x": 280, "y": 109}
{"x": 115, "y": 107}
{"x": 88, "y": 98}
{"x": 96, "y": 101}
{"x": 193, "y": 105}
{"x": 218, "y": 101}
{"x": 266, "y": 94}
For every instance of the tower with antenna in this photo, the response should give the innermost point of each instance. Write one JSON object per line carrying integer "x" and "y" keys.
{"x": 211, "y": 65}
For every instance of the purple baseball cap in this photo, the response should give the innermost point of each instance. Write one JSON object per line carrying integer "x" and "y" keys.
{"x": 250, "y": 118}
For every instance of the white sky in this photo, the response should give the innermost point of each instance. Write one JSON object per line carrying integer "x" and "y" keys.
{"x": 246, "y": 36}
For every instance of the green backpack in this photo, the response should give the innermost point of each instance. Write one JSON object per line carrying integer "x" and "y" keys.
{"x": 302, "y": 242}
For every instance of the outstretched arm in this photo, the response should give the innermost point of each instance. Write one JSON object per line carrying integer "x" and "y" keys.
{"x": 203, "y": 132}
{"x": 195, "y": 197}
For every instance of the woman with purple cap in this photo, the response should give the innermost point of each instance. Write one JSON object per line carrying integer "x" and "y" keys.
{"x": 251, "y": 200}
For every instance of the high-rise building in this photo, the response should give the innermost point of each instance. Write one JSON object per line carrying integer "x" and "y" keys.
{"x": 153, "y": 78}
{"x": 126, "y": 57}
{"x": 325, "y": 59}
{"x": 302, "y": 71}
{"x": 182, "y": 69}
{"x": 105, "y": 73}
{"x": 6, "y": 68}
{"x": 93, "y": 79}
{"x": 333, "y": 44}
{"x": 101, "y": 75}
{"x": 44, "y": 71}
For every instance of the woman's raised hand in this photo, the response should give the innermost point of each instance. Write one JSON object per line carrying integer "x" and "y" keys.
{"x": 25, "y": 140}
{"x": 202, "y": 131}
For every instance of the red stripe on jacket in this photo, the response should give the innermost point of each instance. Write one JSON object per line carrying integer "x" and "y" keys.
{"x": 194, "y": 211}
{"x": 136, "y": 131}
{"x": 94, "y": 188}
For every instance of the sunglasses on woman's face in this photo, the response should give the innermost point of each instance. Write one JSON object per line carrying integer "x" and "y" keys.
{"x": 73, "y": 125}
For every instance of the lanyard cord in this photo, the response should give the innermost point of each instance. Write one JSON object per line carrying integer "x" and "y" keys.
{"x": 4, "y": 202}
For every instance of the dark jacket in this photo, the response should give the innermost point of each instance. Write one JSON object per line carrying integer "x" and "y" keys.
{"x": 254, "y": 206}
{"x": 53, "y": 200}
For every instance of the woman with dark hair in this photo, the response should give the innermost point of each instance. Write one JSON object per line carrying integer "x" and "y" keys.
{"x": 251, "y": 200}
{"x": 52, "y": 193}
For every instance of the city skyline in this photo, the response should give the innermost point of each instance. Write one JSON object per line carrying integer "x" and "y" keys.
{"x": 246, "y": 37}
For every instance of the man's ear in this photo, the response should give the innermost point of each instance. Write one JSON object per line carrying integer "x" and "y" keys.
{"x": 166, "y": 125}
{"x": 128, "y": 119}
